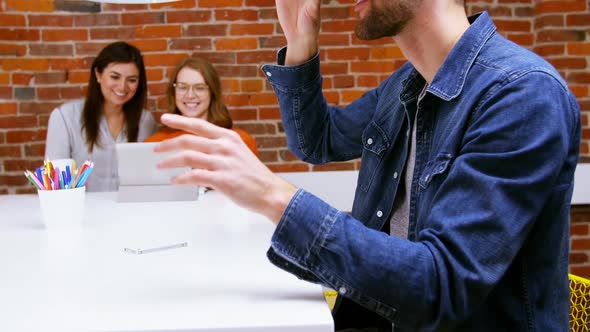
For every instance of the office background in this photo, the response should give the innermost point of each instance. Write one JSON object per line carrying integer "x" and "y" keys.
{"x": 47, "y": 46}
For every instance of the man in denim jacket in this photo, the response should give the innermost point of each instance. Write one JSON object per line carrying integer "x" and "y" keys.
{"x": 461, "y": 215}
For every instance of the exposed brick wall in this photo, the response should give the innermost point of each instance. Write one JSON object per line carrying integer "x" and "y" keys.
{"x": 580, "y": 241}
{"x": 46, "y": 47}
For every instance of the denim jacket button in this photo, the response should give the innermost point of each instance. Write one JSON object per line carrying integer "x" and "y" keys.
{"x": 269, "y": 74}
{"x": 379, "y": 213}
{"x": 369, "y": 141}
{"x": 395, "y": 175}
{"x": 342, "y": 290}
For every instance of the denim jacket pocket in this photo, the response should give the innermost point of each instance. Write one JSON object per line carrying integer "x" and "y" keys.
{"x": 375, "y": 143}
{"x": 435, "y": 167}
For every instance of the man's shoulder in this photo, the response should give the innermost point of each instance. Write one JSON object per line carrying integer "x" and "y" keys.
{"x": 514, "y": 60}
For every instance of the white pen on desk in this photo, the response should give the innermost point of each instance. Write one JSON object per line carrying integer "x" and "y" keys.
{"x": 150, "y": 250}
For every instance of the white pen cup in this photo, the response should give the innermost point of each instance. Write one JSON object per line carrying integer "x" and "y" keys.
{"x": 62, "y": 209}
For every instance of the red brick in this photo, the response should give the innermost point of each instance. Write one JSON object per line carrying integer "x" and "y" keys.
{"x": 12, "y": 49}
{"x": 236, "y": 15}
{"x": 220, "y": 3}
{"x": 20, "y": 34}
{"x": 35, "y": 150}
{"x": 37, "y": 108}
{"x": 547, "y": 21}
{"x": 560, "y": 6}
{"x": 12, "y": 20}
{"x": 19, "y": 165}
{"x": 578, "y": 257}
{"x": 142, "y": 18}
{"x": 513, "y": 25}
{"x": 581, "y": 271}
{"x": 578, "y": 20}
{"x": 263, "y": 99}
{"x": 51, "y": 20}
{"x": 158, "y": 31}
{"x": 580, "y": 244}
{"x": 8, "y": 109}
{"x": 246, "y": 43}
{"x": 29, "y": 6}
{"x": 22, "y": 78}
{"x": 268, "y": 156}
{"x": 372, "y": 67}
{"x": 10, "y": 151}
{"x": 560, "y": 36}
{"x": 65, "y": 34}
{"x": 50, "y": 77}
{"x": 256, "y": 57}
{"x": 93, "y": 20}
{"x": 173, "y": 5}
{"x": 251, "y": 29}
{"x": 291, "y": 167}
{"x": 121, "y": 33}
{"x": 546, "y": 50}
{"x": 578, "y": 48}
{"x": 189, "y": 16}
{"x": 341, "y": 166}
{"x": 269, "y": 113}
{"x": 349, "y": 53}
{"x": 25, "y": 64}
{"x": 78, "y": 76}
{"x": 13, "y": 180}
{"x": 163, "y": 59}
{"x": 239, "y": 114}
{"x": 251, "y": 85}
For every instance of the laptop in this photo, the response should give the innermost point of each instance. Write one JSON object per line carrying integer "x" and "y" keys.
{"x": 141, "y": 181}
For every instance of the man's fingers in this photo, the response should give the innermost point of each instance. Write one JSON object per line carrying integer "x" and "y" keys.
{"x": 198, "y": 127}
{"x": 187, "y": 158}
{"x": 187, "y": 142}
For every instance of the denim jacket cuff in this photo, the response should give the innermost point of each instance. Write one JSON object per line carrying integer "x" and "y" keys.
{"x": 292, "y": 77}
{"x": 302, "y": 229}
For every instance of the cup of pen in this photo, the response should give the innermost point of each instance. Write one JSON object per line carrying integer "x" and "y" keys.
{"x": 61, "y": 190}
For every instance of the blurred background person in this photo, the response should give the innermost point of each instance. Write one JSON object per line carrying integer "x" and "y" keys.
{"x": 195, "y": 91}
{"x": 112, "y": 112}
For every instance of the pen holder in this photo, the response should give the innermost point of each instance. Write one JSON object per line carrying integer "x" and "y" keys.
{"x": 62, "y": 209}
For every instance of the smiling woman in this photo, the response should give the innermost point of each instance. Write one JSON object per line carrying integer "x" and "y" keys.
{"x": 111, "y": 113}
{"x": 195, "y": 92}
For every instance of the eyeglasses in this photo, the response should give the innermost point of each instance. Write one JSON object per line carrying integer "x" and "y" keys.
{"x": 199, "y": 89}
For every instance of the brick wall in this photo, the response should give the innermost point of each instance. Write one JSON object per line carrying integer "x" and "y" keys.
{"x": 46, "y": 47}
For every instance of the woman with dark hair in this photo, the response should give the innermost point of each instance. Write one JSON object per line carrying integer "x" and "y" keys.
{"x": 111, "y": 113}
{"x": 195, "y": 91}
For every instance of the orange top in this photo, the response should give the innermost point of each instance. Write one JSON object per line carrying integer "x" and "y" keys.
{"x": 170, "y": 133}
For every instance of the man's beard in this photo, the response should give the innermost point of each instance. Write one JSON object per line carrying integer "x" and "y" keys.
{"x": 387, "y": 21}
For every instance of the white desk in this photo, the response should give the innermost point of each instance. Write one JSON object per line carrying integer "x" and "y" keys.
{"x": 59, "y": 281}
{"x": 337, "y": 187}
{"x": 582, "y": 184}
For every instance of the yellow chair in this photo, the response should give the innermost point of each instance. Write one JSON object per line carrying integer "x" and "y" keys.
{"x": 579, "y": 304}
{"x": 330, "y": 296}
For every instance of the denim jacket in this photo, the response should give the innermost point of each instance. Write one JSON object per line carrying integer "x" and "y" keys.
{"x": 497, "y": 142}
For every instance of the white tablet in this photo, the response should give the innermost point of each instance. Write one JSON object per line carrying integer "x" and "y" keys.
{"x": 141, "y": 180}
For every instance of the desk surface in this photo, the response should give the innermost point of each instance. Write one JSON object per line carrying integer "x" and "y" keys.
{"x": 83, "y": 280}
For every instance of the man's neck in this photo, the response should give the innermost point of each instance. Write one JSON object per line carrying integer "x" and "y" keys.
{"x": 429, "y": 38}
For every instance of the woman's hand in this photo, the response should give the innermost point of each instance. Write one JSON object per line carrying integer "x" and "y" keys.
{"x": 221, "y": 160}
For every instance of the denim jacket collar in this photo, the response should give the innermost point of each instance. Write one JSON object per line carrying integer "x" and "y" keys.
{"x": 450, "y": 78}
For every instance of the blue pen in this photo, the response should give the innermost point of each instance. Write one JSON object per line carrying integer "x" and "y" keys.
{"x": 84, "y": 177}
{"x": 39, "y": 174}
{"x": 68, "y": 176}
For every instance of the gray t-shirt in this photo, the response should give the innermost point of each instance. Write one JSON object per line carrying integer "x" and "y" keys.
{"x": 65, "y": 139}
